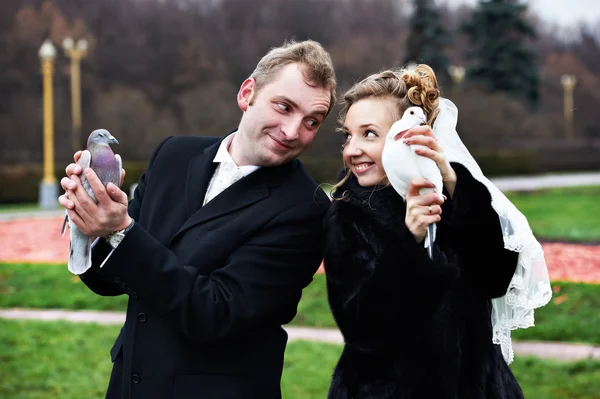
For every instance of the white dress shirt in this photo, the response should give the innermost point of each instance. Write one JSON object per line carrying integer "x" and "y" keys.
{"x": 227, "y": 171}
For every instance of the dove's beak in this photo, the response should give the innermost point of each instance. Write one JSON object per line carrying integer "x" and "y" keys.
{"x": 112, "y": 140}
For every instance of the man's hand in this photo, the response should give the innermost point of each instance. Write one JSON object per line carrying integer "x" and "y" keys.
{"x": 94, "y": 220}
{"x": 422, "y": 210}
{"x": 74, "y": 169}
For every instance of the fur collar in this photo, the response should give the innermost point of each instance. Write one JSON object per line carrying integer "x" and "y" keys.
{"x": 380, "y": 202}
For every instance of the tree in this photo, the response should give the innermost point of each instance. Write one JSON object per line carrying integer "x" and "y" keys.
{"x": 427, "y": 38}
{"x": 500, "y": 59}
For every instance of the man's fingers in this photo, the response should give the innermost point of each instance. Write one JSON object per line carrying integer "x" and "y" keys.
{"x": 65, "y": 202}
{"x": 67, "y": 184}
{"x": 116, "y": 194}
{"x": 122, "y": 177}
{"x": 83, "y": 203}
{"x": 77, "y": 220}
{"x": 96, "y": 186}
{"x": 73, "y": 169}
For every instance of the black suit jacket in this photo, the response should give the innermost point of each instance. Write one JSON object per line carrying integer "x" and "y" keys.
{"x": 209, "y": 287}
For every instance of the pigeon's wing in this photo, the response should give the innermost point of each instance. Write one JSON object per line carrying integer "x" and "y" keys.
{"x": 84, "y": 162}
{"x": 119, "y": 169}
{"x": 85, "y": 159}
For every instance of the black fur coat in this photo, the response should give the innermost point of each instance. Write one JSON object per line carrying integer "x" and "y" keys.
{"x": 415, "y": 327}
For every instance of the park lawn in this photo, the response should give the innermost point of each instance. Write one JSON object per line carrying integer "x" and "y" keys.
{"x": 40, "y": 360}
{"x": 567, "y": 213}
{"x": 46, "y": 286}
{"x": 571, "y": 316}
{"x": 24, "y": 207}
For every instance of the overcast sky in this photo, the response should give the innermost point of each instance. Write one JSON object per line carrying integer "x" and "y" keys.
{"x": 566, "y": 13}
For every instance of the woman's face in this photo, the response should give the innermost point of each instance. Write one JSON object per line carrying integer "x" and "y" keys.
{"x": 367, "y": 123}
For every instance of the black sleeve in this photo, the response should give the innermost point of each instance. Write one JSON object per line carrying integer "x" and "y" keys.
{"x": 92, "y": 279}
{"x": 473, "y": 227}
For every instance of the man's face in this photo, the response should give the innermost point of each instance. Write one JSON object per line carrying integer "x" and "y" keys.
{"x": 280, "y": 119}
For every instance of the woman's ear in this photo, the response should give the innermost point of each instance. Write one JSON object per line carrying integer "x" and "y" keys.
{"x": 246, "y": 93}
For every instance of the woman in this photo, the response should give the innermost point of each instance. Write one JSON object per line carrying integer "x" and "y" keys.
{"x": 416, "y": 327}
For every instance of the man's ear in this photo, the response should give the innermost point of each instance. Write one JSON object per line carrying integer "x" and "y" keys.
{"x": 244, "y": 97}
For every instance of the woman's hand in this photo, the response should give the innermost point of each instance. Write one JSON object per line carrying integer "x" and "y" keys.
{"x": 422, "y": 209}
{"x": 424, "y": 136}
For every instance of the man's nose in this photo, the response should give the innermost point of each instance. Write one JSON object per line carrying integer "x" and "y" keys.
{"x": 291, "y": 128}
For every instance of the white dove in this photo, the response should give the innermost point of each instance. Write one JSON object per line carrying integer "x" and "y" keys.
{"x": 402, "y": 164}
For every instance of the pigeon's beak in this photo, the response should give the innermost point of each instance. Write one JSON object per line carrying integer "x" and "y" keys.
{"x": 112, "y": 140}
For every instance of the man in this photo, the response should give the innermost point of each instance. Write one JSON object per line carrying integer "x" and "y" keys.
{"x": 220, "y": 239}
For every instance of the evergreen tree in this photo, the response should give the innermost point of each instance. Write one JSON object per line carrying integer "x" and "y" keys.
{"x": 500, "y": 59}
{"x": 427, "y": 38}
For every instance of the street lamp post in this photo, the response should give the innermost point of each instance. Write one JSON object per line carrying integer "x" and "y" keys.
{"x": 457, "y": 73}
{"x": 75, "y": 52}
{"x": 568, "y": 82}
{"x": 48, "y": 188}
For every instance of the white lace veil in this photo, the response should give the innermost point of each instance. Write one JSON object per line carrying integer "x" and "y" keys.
{"x": 530, "y": 286}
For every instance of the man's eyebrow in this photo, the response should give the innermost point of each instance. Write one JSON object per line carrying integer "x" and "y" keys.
{"x": 294, "y": 105}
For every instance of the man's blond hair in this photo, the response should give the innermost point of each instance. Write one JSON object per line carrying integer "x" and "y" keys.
{"x": 316, "y": 62}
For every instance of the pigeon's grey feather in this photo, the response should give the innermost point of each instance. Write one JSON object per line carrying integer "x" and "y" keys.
{"x": 99, "y": 157}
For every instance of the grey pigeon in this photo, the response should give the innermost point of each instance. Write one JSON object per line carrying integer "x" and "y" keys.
{"x": 402, "y": 164}
{"x": 107, "y": 165}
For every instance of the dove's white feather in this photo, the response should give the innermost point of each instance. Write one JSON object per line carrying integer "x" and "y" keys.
{"x": 402, "y": 164}
{"x": 399, "y": 160}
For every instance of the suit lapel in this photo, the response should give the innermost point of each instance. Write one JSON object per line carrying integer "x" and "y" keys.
{"x": 243, "y": 193}
{"x": 200, "y": 171}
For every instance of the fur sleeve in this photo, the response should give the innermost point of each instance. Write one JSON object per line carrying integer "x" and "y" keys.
{"x": 379, "y": 279}
{"x": 474, "y": 229}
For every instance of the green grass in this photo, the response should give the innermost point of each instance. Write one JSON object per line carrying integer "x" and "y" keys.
{"x": 571, "y": 316}
{"x": 568, "y": 213}
{"x": 26, "y": 207}
{"x": 40, "y": 360}
{"x": 48, "y": 287}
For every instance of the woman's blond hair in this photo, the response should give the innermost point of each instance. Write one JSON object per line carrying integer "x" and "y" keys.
{"x": 406, "y": 88}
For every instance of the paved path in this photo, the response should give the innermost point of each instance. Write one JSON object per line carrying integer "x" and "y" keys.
{"x": 529, "y": 183}
{"x": 548, "y": 350}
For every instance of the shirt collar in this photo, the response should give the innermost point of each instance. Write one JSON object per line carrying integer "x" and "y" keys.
{"x": 223, "y": 156}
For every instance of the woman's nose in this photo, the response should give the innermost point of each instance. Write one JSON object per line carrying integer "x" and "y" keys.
{"x": 352, "y": 148}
